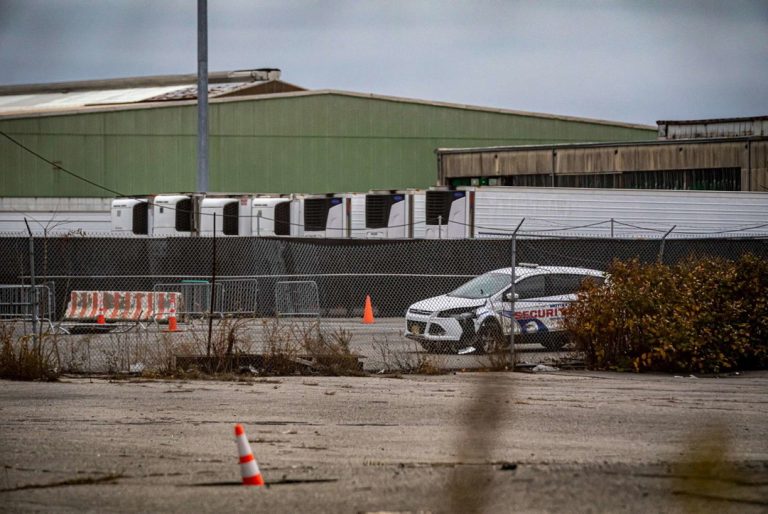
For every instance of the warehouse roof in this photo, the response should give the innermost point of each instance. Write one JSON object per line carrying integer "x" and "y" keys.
{"x": 143, "y": 98}
{"x": 55, "y": 97}
{"x": 712, "y": 120}
{"x": 602, "y": 144}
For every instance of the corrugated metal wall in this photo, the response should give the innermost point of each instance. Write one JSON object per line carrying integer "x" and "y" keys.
{"x": 305, "y": 143}
{"x": 714, "y": 128}
{"x": 664, "y": 156}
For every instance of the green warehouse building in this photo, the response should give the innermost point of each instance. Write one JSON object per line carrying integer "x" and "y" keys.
{"x": 138, "y": 136}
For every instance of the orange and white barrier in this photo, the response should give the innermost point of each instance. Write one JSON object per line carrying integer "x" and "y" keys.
{"x": 249, "y": 470}
{"x": 121, "y": 305}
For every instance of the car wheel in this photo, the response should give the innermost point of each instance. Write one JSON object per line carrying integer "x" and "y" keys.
{"x": 489, "y": 339}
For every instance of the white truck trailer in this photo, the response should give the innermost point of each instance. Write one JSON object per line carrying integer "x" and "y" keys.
{"x": 495, "y": 212}
{"x": 174, "y": 215}
{"x": 394, "y": 214}
{"x": 132, "y": 215}
{"x": 54, "y": 216}
{"x": 334, "y": 215}
{"x": 277, "y": 215}
{"x": 187, "y": 214}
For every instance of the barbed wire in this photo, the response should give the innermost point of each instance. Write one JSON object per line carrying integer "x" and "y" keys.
{"x": 59, "y": 166}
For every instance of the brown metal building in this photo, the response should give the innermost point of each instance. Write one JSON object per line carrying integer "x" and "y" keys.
{"x": 723, "y": 154}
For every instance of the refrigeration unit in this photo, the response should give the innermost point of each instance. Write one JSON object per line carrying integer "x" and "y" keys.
{"x": 232, "y": 215}
{"x": 334, "y": 215}
{"x": 446, "y": 214}
{"x": 394, "y": 214}
{"x": 132, "y": 216}
{"x": 174, "y": 215}
{"x": 277, "y": 215}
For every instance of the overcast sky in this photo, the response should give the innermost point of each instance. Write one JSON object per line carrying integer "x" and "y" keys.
{"x": 636, "y": 61}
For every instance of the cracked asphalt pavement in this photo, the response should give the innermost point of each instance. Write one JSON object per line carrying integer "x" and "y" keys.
{"x": 463, "y": 442}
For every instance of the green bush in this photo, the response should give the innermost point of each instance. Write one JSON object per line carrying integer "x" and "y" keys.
{"x": 702, "y": 315}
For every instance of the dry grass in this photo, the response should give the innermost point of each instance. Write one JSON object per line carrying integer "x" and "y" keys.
{"x": 416, "y": 361}
{"x": 306, "y": 343}
{"x": 24, "y": 357}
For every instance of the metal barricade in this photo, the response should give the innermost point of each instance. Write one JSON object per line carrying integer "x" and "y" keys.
{"x": 236, "y": 297}
{"x": 196, "y": 296}
{"x": 297, "y": 298}
{"x": 16, "y": 303}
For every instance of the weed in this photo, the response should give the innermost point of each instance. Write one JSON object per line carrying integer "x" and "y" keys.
{"x": 414, "y": 361}
{"x": 26, "y": 357}
{"x": 498, "y": 359}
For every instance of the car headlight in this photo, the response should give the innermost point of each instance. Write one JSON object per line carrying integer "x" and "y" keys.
{"x": 462, "y": 312}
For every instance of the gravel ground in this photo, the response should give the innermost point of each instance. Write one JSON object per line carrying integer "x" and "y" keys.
{"x": 464, "y": 442}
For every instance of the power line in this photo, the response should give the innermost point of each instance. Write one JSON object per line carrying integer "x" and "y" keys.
{"x": 59, "y": 166}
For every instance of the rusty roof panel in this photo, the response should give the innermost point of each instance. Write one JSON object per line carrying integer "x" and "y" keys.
{"x": 190, "y": 93}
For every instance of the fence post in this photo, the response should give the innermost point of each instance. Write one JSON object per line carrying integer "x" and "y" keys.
{"x": 611, "y": 228}
{"x": 258, "y": 224}
{"x": 213, "y": 290}
{"x": 32, "y": 286}
{"x": 512, "y": 319}
{"x": 439, "y": 227}
{"x": 664, "y": 240}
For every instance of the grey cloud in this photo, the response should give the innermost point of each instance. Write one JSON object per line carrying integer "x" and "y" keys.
{"x": 630, "y": 61}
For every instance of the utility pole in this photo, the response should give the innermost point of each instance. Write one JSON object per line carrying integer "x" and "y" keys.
{"x": 202, "y": 96}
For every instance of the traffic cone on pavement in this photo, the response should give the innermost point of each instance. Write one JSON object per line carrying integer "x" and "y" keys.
{"x": 368, "y": 310}
{"x": 100, "y": 318}
{"x": 172, "y": 317}
{"x": 249, "y": 470}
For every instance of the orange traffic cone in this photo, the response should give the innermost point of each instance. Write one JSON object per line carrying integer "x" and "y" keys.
{"x": 368, "y": 310}
{"x": 172, "y": 318}
{"x": 249, "y": 470}
{"x": 101, "y": 319}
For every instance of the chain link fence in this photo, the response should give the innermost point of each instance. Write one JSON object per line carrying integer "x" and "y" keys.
{"x": 297, "y": 305}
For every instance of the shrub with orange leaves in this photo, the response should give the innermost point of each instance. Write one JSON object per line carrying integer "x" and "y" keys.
{"x": 702, "y": 315}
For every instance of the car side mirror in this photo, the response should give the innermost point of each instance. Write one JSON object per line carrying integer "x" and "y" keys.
{"x": 508, "y": 297}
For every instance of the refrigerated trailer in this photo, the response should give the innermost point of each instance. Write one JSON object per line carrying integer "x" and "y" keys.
{"x": 277, "y": 216}
{"x": 251, "y": 215}
{"x": 394, "y": 214}
{"x": 334, "y": 215}
{"x": 131, "y": 216}
{"x": 494, "y": 212}
{"x": 155, "y": 215}
{"x": 231, "y": 214}
{"x": 174, "y": 215}
{"x": 53, "y": 215}
{"x": 193, "y": 214}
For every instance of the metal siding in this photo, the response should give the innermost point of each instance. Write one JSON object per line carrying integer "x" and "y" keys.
{"x": 700, "y": 211}
{"x": 608, "y": 159}
{"x": 314, "y": 143}
{"x": 714, "y": 128}
{"x": 759, "y": 160}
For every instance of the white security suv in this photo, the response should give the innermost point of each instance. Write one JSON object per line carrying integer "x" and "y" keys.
{"x": 478, "y": 314}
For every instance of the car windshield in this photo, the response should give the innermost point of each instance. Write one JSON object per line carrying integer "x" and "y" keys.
{"x": 483, "y": 286}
